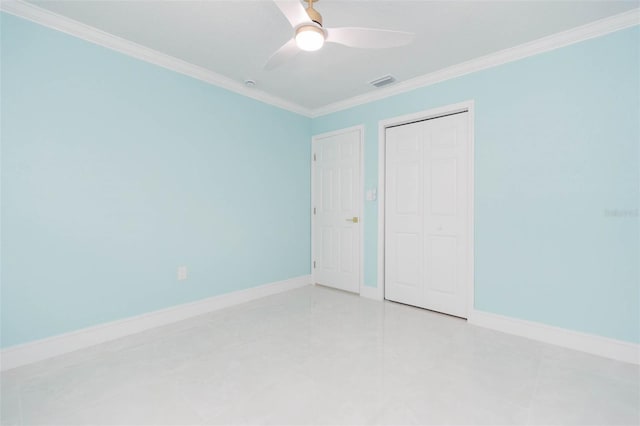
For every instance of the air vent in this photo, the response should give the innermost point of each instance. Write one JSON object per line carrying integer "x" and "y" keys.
{"x": 383, "y": 81}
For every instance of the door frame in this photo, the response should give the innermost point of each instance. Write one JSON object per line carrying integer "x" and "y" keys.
{"x": 469, "y": 107}
{"x": 360, "y": 203}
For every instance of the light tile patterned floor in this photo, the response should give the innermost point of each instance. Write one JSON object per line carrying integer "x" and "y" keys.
{"x": 319, "y": 356}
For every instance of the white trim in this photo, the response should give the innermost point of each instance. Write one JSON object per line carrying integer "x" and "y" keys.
{"x": 39, "y": 350}
{"x": 77, "y": 29}
{"x": 468, "y": 106}
{"x": 312, "y": 267}
{"x": 360, "y": 129}
{"x": 370, "y": 293}
{"x": 590, "y": 343}
{"x": 575, "y": 35}
{"x": 471, "y": 200}
{"x": 544, "y": 44}
{"x": 382, "y": 164}
{"x": 362, "y": 287}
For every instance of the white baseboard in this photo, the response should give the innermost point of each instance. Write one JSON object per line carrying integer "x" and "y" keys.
{"x": 590, "y": 343}
{"x": 39, "y": 350}
{"x": 370, "y": 292}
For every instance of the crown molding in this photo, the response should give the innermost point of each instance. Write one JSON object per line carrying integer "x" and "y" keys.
{"x": 69, "y": 26}
{"x": 545, "y": 44}
{"x": 77, "y": 29}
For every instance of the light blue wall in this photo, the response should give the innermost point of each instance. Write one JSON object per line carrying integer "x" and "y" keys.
{"x": 115, "y": 171}
{"x": 557, "y": 174}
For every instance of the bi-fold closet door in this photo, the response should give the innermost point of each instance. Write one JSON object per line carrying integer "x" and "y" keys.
{"x": 426, "y": 214}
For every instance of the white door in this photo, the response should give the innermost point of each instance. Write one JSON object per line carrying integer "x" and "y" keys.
{"x": 336, "y": 210}
{"x": 426, "y": 193}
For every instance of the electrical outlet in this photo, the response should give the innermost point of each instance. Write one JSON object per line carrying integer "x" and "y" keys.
{"x": 182, "y": 273}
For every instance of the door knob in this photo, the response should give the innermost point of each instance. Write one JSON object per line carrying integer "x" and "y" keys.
{"x": 353, "y": 219}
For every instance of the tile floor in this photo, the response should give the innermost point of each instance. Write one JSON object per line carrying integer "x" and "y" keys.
{"x": 319, "y": 356}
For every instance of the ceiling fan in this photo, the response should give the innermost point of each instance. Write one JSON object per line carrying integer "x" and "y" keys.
{"x": 310, "y": 35}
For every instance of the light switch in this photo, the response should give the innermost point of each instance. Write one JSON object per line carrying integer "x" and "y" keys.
{"x": 182, "y": 273}
{"x": 372, "y": 194}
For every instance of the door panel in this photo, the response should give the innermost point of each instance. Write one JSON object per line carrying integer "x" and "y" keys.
{"x": 346, "y": 190}
{"x": 404, "y": 249}
{"x": 336, "y": 201}
{"x": 346, "y": 251}
{"x": 442, "y": 267}
{"x": 407, "y": 188}
{"x": 426, "y": 197}
{"x": 443, "y": 186}
{"x": 408, "y": 259}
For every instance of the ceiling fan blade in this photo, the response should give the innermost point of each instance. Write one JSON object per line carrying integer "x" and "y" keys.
{"x": 293, "y": 11}
{"x": 286, "y": 52}
{"x": 368, "y": 38}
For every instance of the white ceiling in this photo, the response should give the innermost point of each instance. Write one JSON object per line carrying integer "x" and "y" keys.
{"x": 235, "y": 38}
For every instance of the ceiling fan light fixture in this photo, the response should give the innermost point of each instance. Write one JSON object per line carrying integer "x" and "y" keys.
{"x": 309, "y": 38}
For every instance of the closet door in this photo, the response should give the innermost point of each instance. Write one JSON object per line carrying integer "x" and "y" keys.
{"x": 426, "y": 214}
